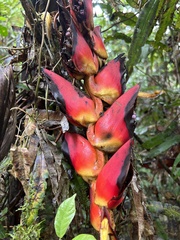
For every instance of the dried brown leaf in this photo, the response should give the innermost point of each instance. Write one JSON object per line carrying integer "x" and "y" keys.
{"x": 38, "y": 186}
{"x": 22, "y": 160}
{"x": 29, "y": 125}
{"x": 53, "y": 160}
{"x": 154, "y": 94}
{"x": 43, "y": 114}
{"x": 8, "y": 116}
{"x": 45, "y": 119}
{"x": 9, "y": 135}
{"x": 142, "y": 225}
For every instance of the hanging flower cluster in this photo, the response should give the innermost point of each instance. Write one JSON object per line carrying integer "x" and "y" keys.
{"x": 105, "y": 111}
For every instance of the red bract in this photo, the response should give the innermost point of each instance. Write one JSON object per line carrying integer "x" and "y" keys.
{"x": 96, "y": 212}
{"x": 109, "y": 83}
{"x": 86, "y": 160}
{"x": 116, "y": 126}
{"x": 82, "y": 55}
{"x": 100, "y": 215}
{"x": 79, "y": 108}
{"x": 111, "y": 181}
{"x": 82, "y": 12}
{"x": 97, "y": 42}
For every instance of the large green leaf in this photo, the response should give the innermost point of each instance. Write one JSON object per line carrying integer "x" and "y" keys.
{"x": 168, "y": 142}
{"x": 84, "y": 237}
{"x": 143, "y": 29}
{"x": 166, "y": 19}
{"x": 64, "y": 216}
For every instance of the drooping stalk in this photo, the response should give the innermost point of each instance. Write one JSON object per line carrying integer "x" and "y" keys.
{"x": 108, "y": 129}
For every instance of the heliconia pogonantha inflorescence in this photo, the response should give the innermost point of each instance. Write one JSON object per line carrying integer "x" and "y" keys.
{"x": 101, "y": 106}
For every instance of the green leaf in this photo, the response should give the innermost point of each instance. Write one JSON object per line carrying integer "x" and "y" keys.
{"x": 136, "y": 3}
{"x": 64, "y": 216}
{"x": 126, "y": 18}
{"x": 177, "y": 20}
{"x": 159, "y": 138}
{"x": 118, "y": 35}
{"x": 106, "y": 7}
{"x": 4, "y": 164}
{"x": 3, "y": 213}
{"x": 177, "y": 173}
{"x": 168, "y": 142}
{"x": 2, "y": 232}
{"x": 143, "y": 29}
{"x": 84, "y": 237}
{"x": 160, "y": 46}
{"x": 133, "y": 3}
{"x": 3, "y": 31}
{"x": 166, "y": 19}
{"x": 176, "y": 162}
{"x": 172, "y": 213}
{"x": 3, "y": 19}
{"x": 154, "y": 141}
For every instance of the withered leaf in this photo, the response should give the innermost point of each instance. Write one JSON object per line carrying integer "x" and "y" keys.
{"x": 138, "y": 215}
{"x": 53, "y": 161}
{"x": 46, "y": 119}
{"x": 29, "y": 125}
{"x": 8, "y": 117}
{"x": 22, "y": 160}
{"x": 38, "y": 186}
{"x": 154, "y": 94}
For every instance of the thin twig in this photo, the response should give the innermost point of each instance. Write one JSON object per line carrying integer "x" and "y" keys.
{"x": 40, "y": 50}
{"x": 114, "y": 24}
{"x": 13, "y": 48}
{"x": 46, "y": 99}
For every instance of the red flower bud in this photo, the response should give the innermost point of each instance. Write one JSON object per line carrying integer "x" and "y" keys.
{"x": 109, "y": 83}
{"x": 97, "y": 42}
{"x": 79, "y": 108}
{"x": 82, "y": 55}
{"x": 113, "y": 179}
{"x": 116, "y": 126}
{"x": 86, "y": 160}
